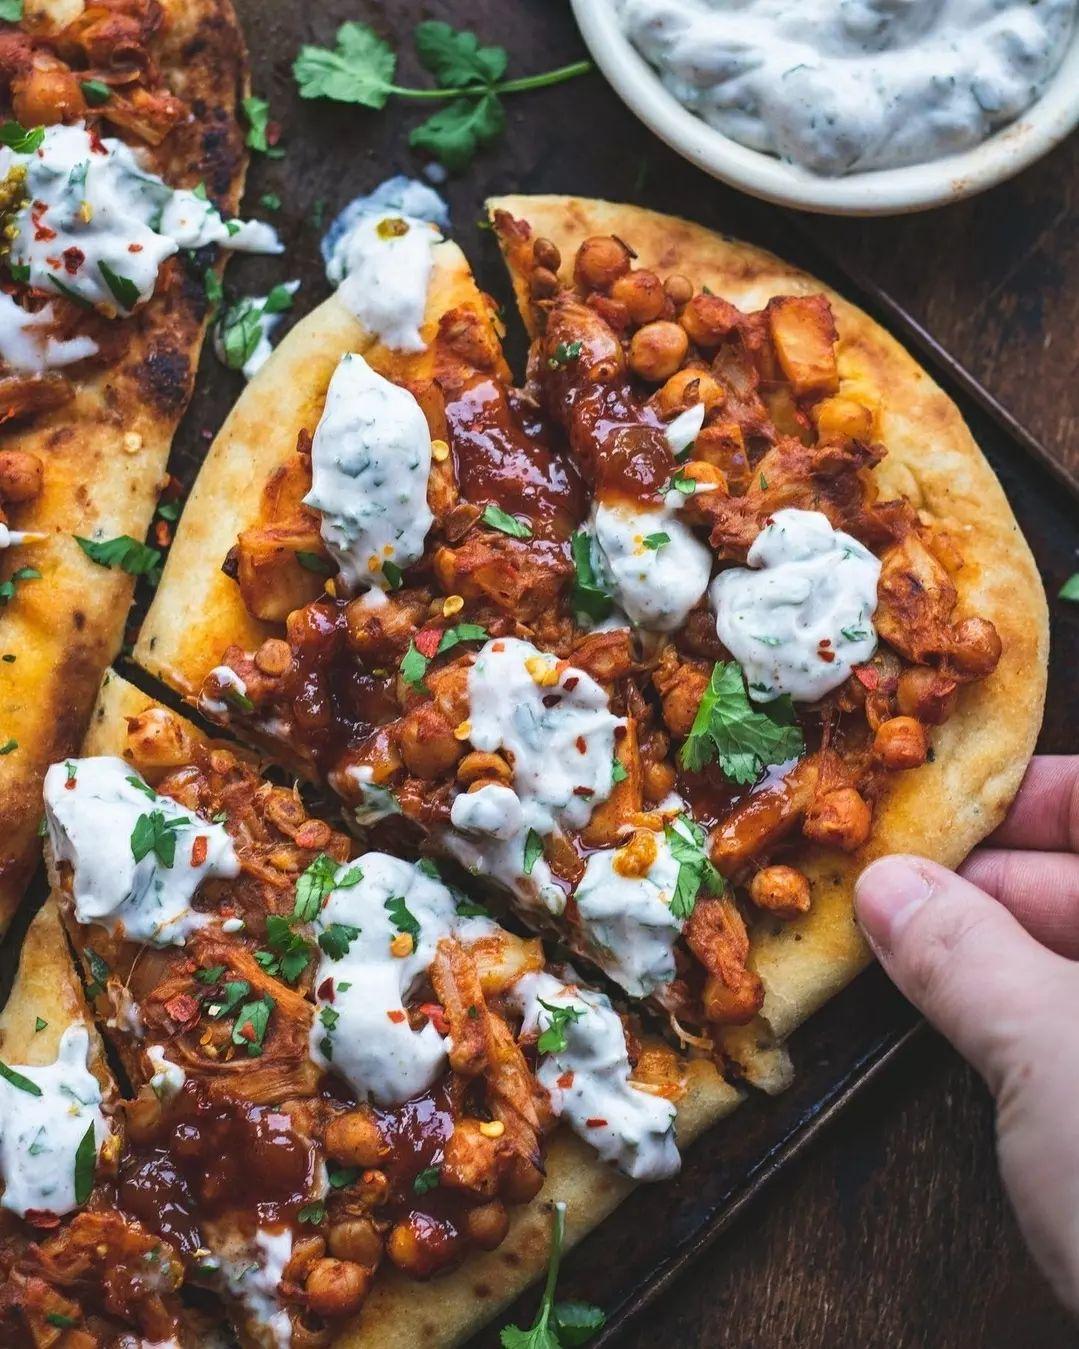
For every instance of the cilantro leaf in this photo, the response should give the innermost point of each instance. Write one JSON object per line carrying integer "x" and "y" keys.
{"x": 688, "y": 844}
{"x": 85, "y": 1164}
{"x": 359, "y": 70}
{"x": 137, "y": 559}
{"x": 1070, "y": 589}
{"x": 18, "y": 138}
{"x": 257, "y": 112}
{"x": 17, "y": 1080}
{"x": 533, "y": 851}
{"x": 124, "y": 290}
{"x": 315, "y": 562}
{"x": 96, "y": 92}
{"x": 315, "y": 884}
{"x": 463, "y": 632}
{"x": 497, "y": 518}
{"x": 427, "y": 1179}
{"x": 553, "y": 1039}
{"x": 340, "y": 1176}
{"x": 456, "y": 58}
{"x": 564, "y": 354}
{"x": 251, "y": 1024}
{"x": 401, "y": 917}
{"x": 727, "y": 730}
{"x": 618, "y": 772}
{"x": 576, "y": 1322}
{"x": 233, "y": 992}
{"x": 313, "y": 1213}
{"x": 336, "y": 939}
{"x": 7, "y": 588}
{"x": 656, "y": 541}
{"x": 289, "y": 955}
{"x": 588, "y": 598}
{"x": 153, "y": 833}
{"x": 562, "y": 1326}
{"x": 454, "y": 133}
{"x": 468, "y": 908}
{"x": 414, "y": 667}
{"x": 11, "y": 10}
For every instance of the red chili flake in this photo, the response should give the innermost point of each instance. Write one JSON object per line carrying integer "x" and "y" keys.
{"x": 828, "y": 656}
{"x": 571, "y": 683}
{"x": 435, "y": 1013}
{"x": 199, "y": 849}
{"x": 498, "y": 646}
{"x": 325, "y": 989}
{"x": 73, "y": 260}
{"x": 825, "y": 641}
{"x": 566, "y": 1080}
{"x": 304, "y": 441}
{"x": 582, "y": 745}
{"x": 41, "y": 1217}
{"x": 396, "y": 1017}
{"x": 596, "y": 1123}
{"x": 273, "y": 132}
{"x": 248, "y": 1032}
{"x": 42, "y": 233}
{"x": 551, "y": 699}
{"x": 162, "y": 533}
{"x": 134, "y": 248}
{"x": 867, "y": 676}
{"x": 70, "y": 784}
{"x": 183, "y": 1008}
{"x": 426, "y": 642}
{"x": 96, "y": 142}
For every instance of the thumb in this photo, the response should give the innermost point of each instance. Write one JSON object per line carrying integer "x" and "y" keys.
{"x": 964, "y": 961}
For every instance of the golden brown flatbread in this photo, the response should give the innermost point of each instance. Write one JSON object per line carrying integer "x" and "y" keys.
{"x": 104, "y": 456}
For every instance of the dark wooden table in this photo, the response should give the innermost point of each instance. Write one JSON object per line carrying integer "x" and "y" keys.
{"x": 893, "y": 1230}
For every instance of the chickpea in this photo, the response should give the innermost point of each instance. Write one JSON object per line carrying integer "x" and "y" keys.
{"x": 521, "y": 1181}
{"x": 642, "y": 294}
{"x": 900, "y": 742}
{"x": 783, "y": 891}
{"x": 659, "y": 780}
{"x": 657, "y": 350}
{"x": 976, "y": 648}
{"x": 542, "y": 284}
{"x": 488, "y": 1224}
{"x": 679, "y": 290}
{"x": 353, "y": 1139}
{"x": 687, "y": 387}
{"x": 427, "y": 743}
{"x": 546, "y": 254}
{"x": 411, "y": 1250}
{"x": 336, "y": 1288}
{"x": 600, "y": 261}
{"x": 926, "y": 694}
{"x": 20, "y": 475}
{"x": 273, "y": 657}
{"x": 841, "y": 819}
{"x": 708, "y": 319}
{"x": 485, "y": 768}
{"x": 358, "y": 1240}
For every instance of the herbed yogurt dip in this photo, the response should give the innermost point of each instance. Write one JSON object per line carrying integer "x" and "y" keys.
{"x": 843, "y": 86}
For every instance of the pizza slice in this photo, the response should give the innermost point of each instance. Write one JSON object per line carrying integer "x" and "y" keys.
{"x": 346, "y": 1076}
{"x": 664, "y": 645}
{"x": 121, "y": 167}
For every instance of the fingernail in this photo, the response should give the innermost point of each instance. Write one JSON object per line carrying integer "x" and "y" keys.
{"x": 887, "y": 895}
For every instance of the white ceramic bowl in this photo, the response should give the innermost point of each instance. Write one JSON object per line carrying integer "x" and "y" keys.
{"x": 879, "y": 192}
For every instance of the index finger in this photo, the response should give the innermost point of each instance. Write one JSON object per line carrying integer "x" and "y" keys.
{"x": 1045, "y": 813}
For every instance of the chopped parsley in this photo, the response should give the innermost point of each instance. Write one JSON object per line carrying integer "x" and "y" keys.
{"x": 463, "y": 632}
{"x": 564, "y": 354}
{"x": 588, "y": 598}
{"x": 233, "y": 992}
{"x": 689, "y": 848}
{"x": 288, "y": 955}
{"x": 468, "y": 908}
{"x": 315, "y": 884}
{"x": 211, "y": 975}
{"x": 427, "y": 1179}
{"x": 656, "y": 541}
{"x": 401, "y": 917}
{"x": 553, "y": 1039}
{"x": 854, "y": 634}
{"x": 240, "y": 327}
{"x": 153, "y": 833}
{"x": 96, "y": 92}
{"x": 137, "y": 559}
{"x": 414, "y": 667}
{"x": 259, "y": 128}
{"x": 360, "y": 69}
{"x": 558, "y": 1325}
{"x": 57, "y": 1319}
{"x": 39, "y": 1024}
{"x": 730, "y": 732}
{"x": 533, "y": 851}
{"x": 336, "y": 939}
{"x": 497, "y": 518}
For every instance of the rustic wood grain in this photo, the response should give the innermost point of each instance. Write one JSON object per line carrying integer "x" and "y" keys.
{"x": 894, "y": 1231}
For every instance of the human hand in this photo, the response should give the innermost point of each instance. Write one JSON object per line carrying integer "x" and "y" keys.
{"x": 991, "y": 956}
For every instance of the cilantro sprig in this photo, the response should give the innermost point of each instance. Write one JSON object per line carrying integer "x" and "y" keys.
{"x": 315, "y": 884}
{"x": 137, "y": 559}
{"x": 288, "y": 954}
{"x": 360, "y": 69}
{"x": 553, "y": 1039}
{"x": 154, "y": 833}
{"x": 588, "y": 597}
{"x": 688, "y": 844}
{"x": 240, "y": 327}
{"x": 558, "y": 1325}
{"x": 730, "y": 732}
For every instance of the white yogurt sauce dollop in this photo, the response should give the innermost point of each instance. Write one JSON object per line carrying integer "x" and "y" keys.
{"x": 97, "y": 225}
{"x": 650, "y": 561}
{"x": 370, "y": 460}
{"x": 378, "y": 254}
{"x": 40, "y": 1133}
{"x": 801, "y": 615}
{"x": 840, "y": 86}
{"x": 93, "y": 808}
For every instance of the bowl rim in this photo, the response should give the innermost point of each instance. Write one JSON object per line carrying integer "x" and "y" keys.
{"x": 915, "y": 187}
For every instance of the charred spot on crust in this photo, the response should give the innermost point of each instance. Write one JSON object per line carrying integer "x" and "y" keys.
{"x": 164, "y": 378}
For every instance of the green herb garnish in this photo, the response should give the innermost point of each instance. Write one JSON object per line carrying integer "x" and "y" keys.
{"x": 497, "y": 518}
{"x": 730, "y": 732}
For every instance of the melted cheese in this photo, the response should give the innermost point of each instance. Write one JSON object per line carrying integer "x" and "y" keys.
{"x": 40, "y": 1135}
{"x": 589, "y": 1081}
{"x": 800, "y": 616}
{"x": 90, "y": 825}
{"x": 362, "y": 1029}
{"x": 370, "y": 460}
{"x": 98, "y": 225}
